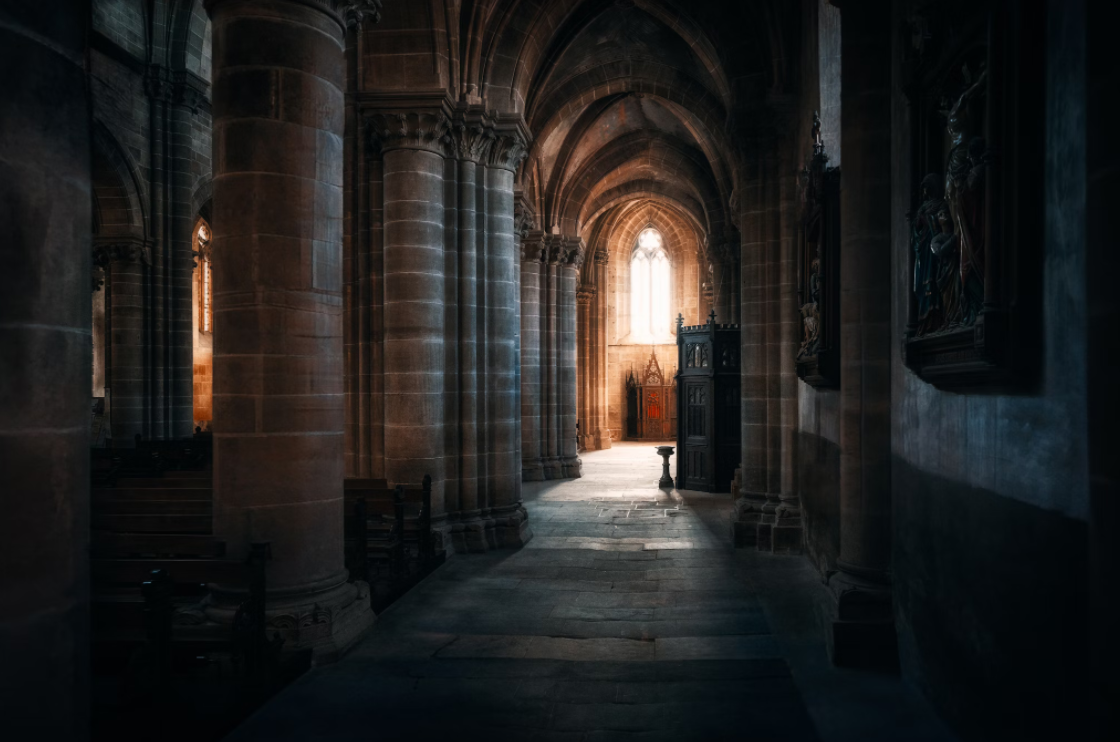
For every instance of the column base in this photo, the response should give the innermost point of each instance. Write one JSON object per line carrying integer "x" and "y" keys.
{"x": 602, "y": 440}
{"x": 499, "y": 529}
{"x": 552, "y": 469}
{"x": 532, "y": 471}
{"x": 571, "y": 467}
{"x": 512, "y": 528}
{"x": 786, "y": 535}
{"x": 469, "y": 534}
{"x": 328, "y": 621}
{"x": 861, "y": 632}
{"x": 745, "y": 521}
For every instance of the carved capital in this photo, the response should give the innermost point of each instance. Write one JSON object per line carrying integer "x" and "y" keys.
{"x": 573, "y": 252}
{"x": 422, "y": 130}
{"x": 509, "y": 150}
{"x": 356, "y": 12}
{"x": 535, "y": 248}
{"x": 108, "y": 251}
{"x": 470, "y": 138}
{"x": 584, "y": 296}
{"x": 524, "y": 215}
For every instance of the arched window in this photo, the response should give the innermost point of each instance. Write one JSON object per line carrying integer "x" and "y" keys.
{"x": 649, "y": 290}
{"x": 205, "y": 286}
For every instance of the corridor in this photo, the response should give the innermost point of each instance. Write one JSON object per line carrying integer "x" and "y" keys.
{"x": 628, "y": 616}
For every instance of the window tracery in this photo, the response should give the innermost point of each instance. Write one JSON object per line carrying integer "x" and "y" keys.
{"x": 649, "y": 289}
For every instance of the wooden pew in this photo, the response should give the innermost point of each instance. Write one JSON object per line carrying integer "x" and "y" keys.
{"x": 395, "y": 518}
{"x": 374, "y": 527}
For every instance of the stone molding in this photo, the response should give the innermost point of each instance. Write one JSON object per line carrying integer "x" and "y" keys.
{"x": 602, "y": 256}
{"x": 347, "y": 13}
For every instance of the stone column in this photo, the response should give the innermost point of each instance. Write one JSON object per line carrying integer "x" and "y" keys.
{"x": 126, "y": 261}
{"x": 786, "y": 535}
{"x": 278, "y": 402}
{"x": 471, "y": 137}
{"x": 45, "y": 317}
{"x": 550, "y": 377}
{"x": 570, "y": 465}
{"x": 602, "y": 433}
{"x": 749, "y": 506}
{"x": 504, "y": 324}
{"x": 412, "y": 151}
{"x": 584, "y": 362}
{"x": 533, "y": 251}
{"x": 863, "y": 630}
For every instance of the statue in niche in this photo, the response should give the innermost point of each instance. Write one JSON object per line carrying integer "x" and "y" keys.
{"x": 945, "y": 247}
{"x": 810, "y": 318}
{"x": 965, "y": 176}
{"x": 924, "y": 226}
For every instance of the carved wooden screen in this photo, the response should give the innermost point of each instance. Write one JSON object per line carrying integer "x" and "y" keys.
{"x": 651, "y": 405}
{"x": 708, "y": 399}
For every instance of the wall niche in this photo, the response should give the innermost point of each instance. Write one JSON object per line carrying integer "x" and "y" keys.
{"x": 971, "y": 69}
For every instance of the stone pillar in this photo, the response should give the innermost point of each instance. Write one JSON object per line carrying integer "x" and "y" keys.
{"x": 863, "y": 630}
{"x": 748, "y": 513}
{"x": 570, "y": 465}
{"x": 471, "y": 138}
{"x": 584, "y": 363}
{"x": 786, "y": 536}
{"x": 413, "y": 289}
{"x": 601, "y": 432}
{"x": 550, "y": 360}
{"x": 278, "y": 377}
{"x": 126, "y": 261}
{"x": 45, "y": 317}
{"x": 504, "y": 325}
{"x": 533, "y": 251}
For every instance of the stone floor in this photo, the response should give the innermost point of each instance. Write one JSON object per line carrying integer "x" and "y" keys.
{"x": 627, "y": 617}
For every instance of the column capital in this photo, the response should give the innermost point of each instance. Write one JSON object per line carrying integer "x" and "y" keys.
{"x": 524, "y": 214}
{"x": 573, "y": 252}
{"x": 535, "y": 247}
{"x": 471, "y": 135}
{"x": 420, "y": 129}
{"x": 120, "y": 249}
{"x": 347, "y": 13}
{"x": 584, "y": 296}
{"x": 602, "y": 256}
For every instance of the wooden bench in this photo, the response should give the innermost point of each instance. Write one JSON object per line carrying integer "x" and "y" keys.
{"x": 374, "y": 527}
{"x": 153, "y": 620}
{"x": 394, "y": 518}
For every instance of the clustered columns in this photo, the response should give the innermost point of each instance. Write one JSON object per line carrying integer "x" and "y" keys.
{"x": 45, "y": 315}
{"x": 592, "y": 340}
{"x": 863, "y": 630}
{"x": 278, "y": 375}
{"x": 174, "y": 97}
{"x": 551, "y": 424}
{"x": 450, "y": 310}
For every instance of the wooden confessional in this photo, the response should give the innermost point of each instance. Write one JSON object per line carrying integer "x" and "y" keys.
{"x": 708, "y": 405}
